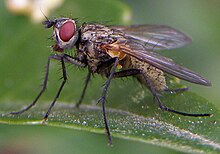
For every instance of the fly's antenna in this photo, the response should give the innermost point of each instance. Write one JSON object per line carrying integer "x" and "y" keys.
{"x": 47, "y": 23}
{"x": 44, "y": 14}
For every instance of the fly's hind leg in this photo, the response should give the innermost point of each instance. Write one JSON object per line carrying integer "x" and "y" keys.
{"x": 177, "y": 90}
{"x": 132, "y": 72}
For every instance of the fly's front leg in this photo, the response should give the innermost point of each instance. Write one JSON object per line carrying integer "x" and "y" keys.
{"x": 63, "y": 59}
{"x": 103, "y": 97}
{"x": 73, "y": 60}
{"x": 60, "y": 89}
{"x": 44, "y": 86}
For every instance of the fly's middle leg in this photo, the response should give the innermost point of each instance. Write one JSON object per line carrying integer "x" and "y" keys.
{"x": 103, "y": 97}
{"x": 84, "y": 89}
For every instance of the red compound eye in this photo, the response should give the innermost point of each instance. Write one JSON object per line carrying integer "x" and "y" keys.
{"x": 67, "y": 31}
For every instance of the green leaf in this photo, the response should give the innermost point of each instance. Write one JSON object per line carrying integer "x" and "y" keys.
{"x": 141, "y": 122}
{"x": 132, "y": 114}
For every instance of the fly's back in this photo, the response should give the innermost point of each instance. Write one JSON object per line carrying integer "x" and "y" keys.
{"x": 92, "y": 38}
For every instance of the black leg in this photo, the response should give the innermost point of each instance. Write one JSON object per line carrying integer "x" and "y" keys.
{"x": 84, "y": 89}
{"x": 73, "y": 60}
{"x": 176, "y": 90}
{"x": 60, "y": 89}
{"x": 63, "y": 58}
{"x": 126, "y": 73}
{"x": 103, "y": 97}
{"x": 105, "y": 64}
{"x": 44, "y": 86}
{"x": 131, "y": 72}
{"x": 163, "y": 107}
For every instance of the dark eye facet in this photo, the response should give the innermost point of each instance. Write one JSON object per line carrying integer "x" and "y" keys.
{"x": 67, "y": 31}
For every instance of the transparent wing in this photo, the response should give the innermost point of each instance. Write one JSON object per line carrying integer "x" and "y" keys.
{"x": 155, "y": 37}
{"x": 163, "y": 63}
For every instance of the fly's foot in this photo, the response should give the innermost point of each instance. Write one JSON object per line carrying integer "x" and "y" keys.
{"x": 177, "y": 90}
{"x": 44, "y": 121}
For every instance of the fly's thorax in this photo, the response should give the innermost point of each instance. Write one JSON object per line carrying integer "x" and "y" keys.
{"x": 87, "y": 50}
{"x": 155, "y": 75}
{"x": 92, "y": 39}
{"x": 95, "y": 33}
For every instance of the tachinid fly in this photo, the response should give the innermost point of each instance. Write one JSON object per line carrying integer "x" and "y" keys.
{"x": 116, "y": 52}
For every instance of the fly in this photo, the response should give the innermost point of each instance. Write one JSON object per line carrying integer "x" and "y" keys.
{"x": 116, "y": 52}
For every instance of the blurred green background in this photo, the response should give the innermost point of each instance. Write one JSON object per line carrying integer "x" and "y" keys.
{"x": 24, "y": 49}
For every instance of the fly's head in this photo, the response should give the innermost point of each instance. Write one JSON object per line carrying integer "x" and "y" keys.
{"x": 65, "y": 33}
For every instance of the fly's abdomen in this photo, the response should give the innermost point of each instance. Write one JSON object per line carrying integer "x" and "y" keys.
{"x": 154, "y": 75}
